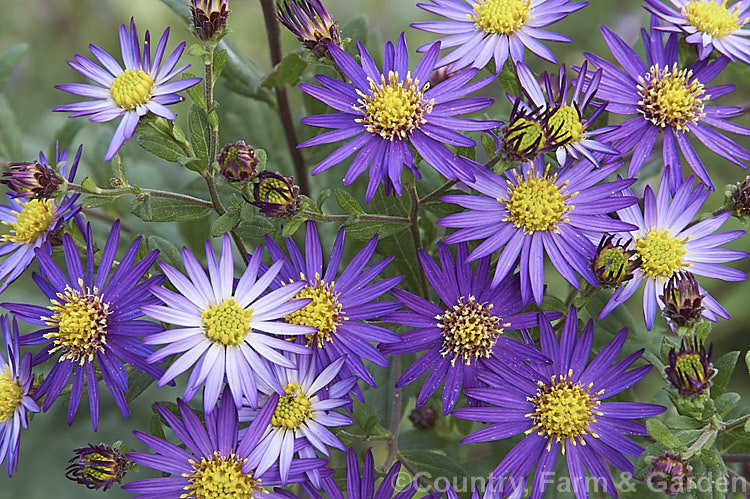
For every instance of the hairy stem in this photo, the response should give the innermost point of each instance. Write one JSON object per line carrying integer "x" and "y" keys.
{"x": 208, "y": 85}
{"x": 121, "y": 191}
{"x": 395, "y": 415}
{"x": 438, "y": 192}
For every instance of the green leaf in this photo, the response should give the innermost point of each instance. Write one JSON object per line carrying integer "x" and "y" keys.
{"x": 725, "y": 367}
{"x": 322, "y": 198}
{"x": 89, "y": 185}
{"x": 436, "y": 465}
{"x": 467, "y": 152}
{"x": 196, "y": 92}
{"x": 169, "y": 210}
{"x": 291, "y": 226}
{"x": 662, "y": 434}
{"x": 96, "y": 202}
{"x": 262, "y": 159}
{"x": 155, "y": 427}
{"x": 138, "y": 382}
{"x": 287, "y": 72}
{"x": 356, "y": 29}
{"x": 508, "y": 79}
{"x": 168, "y": 252}
{"x": 225, "y": 223}
{"x": 682, "y": 423}
{"x": 197, "y": 50}
{"x": 163, "y": 148}
{"x": 220, "y": 61}
{"x": 10, "y": 135}
{"x": 365, "y": 230}
{"x": 199, "y": 133}
{"x": 9, "y": 59}
{"x": 365, "y": 417}
{"x": 726, "y": 402}
{"x": 347, "y": 202}
{"x": 247, "y": 213}
{"x": 747, "y": 426}
{"x": 747, "y": 361}
{"x": 488, "y": 143}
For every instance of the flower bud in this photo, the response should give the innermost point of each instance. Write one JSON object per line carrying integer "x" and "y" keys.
{"x": 275, "y": 195}
{"x": 682, "y": 300}
{"x": 97, "y": 466}
{"x": 423, "y": 417}
{"x": 237, "y": 162}
{"x": 210, "y": 18}
{"x": 613, "y": 263}
{"x": 311, "y": 23}
{"x": 31, "y": 180}
{"x": 741, "y": 198}
{"x": 690, "y": 368}
{"x": 669, "y": 474}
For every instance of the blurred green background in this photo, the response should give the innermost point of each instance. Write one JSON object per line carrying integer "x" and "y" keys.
{"x": 57, "y": 29}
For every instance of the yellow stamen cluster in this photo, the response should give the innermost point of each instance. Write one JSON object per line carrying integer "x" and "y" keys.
{"x": 11, "y": 393}
{"x": 661, "y": 254}
{"x": 131, "y": 88}
{"x": 565, "y": 124}
{"x": 293, "y": 409}
{"x": 80, "y": 319}
{"x": 227, "y": 323}
{"x": 671, "y": 97}
{"x": 563, "y": 410}
{"x": 536, "y": 203}
{"x": 501, "y": 17}
{"x": 32, "y": 222}
{"x": 469, "y": 330}
{"x": 395, "y": 108}
{"x": 524, "y": 139}
{"x": 712, "y": 16}
{"x": 220, "y": 478}
{"x": 690, "y": 365}
{"x": 323, "y": 313}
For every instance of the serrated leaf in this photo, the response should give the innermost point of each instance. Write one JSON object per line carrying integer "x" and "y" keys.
{"x": 199, "y": 133}
{"x": 196, "y": 92}
{"x": 287, "y": 72}
{"x": 138, "y": 382}
{"x": 662, "y": 434}
{"x": 365, "y": 230}
{"x": 169, "y": 210}
{"x": 347, "y": 202}
{"x": 225, "y": 223}
{"x": 161, "y": 148}
{"x": 725, "y": 367}
{"x": 9, "y": 59}
{"x": 726, "y": 402}
{"x": 291, "y": 226}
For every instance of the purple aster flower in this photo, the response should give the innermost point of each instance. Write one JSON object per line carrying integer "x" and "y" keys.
{"x": 483, "y": 29}
{"x": 561, "y": 407}
{"x": 667, "y": 243}
{"x": 565, "y": 122}
{"x": 529, "y": 213}
{"x": 16, "y": 402}
{"x": 665, "y": 97}
{"x": 466, "y": 332}
{"x": 708, "y": 24}
{"x": 33, "y": 222}
{"x": 212, "y": 461}
{"x": 311, "y": 23}
{"x": 140, "y": 88}
{"x": 301, "y": 417}
{"x": 341, "y": 302}
{"x": 91, "y": 324}
{"x": 382, "y": 112}
{"x": 225, "y": 327}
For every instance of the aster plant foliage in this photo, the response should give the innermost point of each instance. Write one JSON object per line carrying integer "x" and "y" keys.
{"x": 375, "y": 278}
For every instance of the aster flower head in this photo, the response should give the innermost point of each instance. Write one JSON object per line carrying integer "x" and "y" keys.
{"x": 276, "y": 195}
{"x": 301, "y": 416}
{"x": 668, "y": 99}
{"x": 341, "y": 302}
{"x": 614, "y": 262}
{"x": 707, "y": 24}
{"x": 669, "y": 473}
{"x": 741, "y": 198}
{"x": 467, "y": 332}
{"x": 526, "y": 135}
{"x": 311, "y": 23}
{"x": 34, "y": 221}
{"x": 97, "y": 466}
{"x": 16, "y": 399}
{"x": 683, "y": 300}
{"x": 529, "y": 212}
{"x": 487, "y": 29}
{"x": 224, "y": 329}
{"x": 561, "y": 406}
{"x": 212, "y": 461}
{"x": 237, "y": 162}
{"x": 31, "y": 180}
{"x": 90, "y": 324}
{"x": 690, "y": 369}
{"x": 130, "y": 93}
{"x": 384, "y": 111}
{"x": 210, "y": 19}
{"x": 666, "y": 243}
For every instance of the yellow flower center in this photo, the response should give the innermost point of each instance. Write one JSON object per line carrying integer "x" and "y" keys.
{"x": 227, "y": 323}
{"x": 661, "y": 254}
{"x": 469, "y": 330}
{"x": 395, "y": 108}
{"x": 563, "y": 410}
{"x": 293, "y": 409}
{"x": 99, "y": 473}
{"x": 671, "y": 97}
{"x": 712, "y": 16}
{"x": 131, "y": 88}
{"x": 273, "y": 190}
{"x": 221, "y": 478}
{"x": 565, "y": 125}
{"x": 80, "y": 319}
{"x": 614, "y": 261}
{"x": 32, "y": 222}
{"x": 524, "y": 139}
{"x": 11, "y": 393}
{"x": 501, "y": 17}
{"x": 323, "y": 312}
{"x": 690, "y": 365}
{"x": 536, "y": 203}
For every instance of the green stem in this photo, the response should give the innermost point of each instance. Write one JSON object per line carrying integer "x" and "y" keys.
{"x": 698, "y": 444}
{"x": 219, "y": 208}
{"x": 365, "y": 217}
{"x": 730, "y": 425}
{"x": 208, "y": 85}
{"x": 438, "y": 192}
{"x": 415, "y": 236}
{"x": 121, "y": 191}
{"x": 395, "y": 415}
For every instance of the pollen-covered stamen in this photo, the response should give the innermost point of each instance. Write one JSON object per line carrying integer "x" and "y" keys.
{"x": 712, "y": 16}
{"x": 32, "y": 222}
{"x": 536, "y": 203}
{"x": 524, "y": 139}
{"x": 219, "y": 478}
{"x": 131, "y": 88}
{"x": 671, "y": 97}
{"x": 661, "y": 254}
{"x": 227, "y": 323}
{"x": 11, "y": 393}
{"x": 470, "y": 330}
{"x": 689, "y": 367}
{"x": 80, "y": 319}
{"x": 564, "y": 410}
{"x": 395, "y": 108}
{"x": 501, "y": 17}
{"x": 323, "y": 313}
{"x": 293, "y": 409}
{"x": 565, "y": 125}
